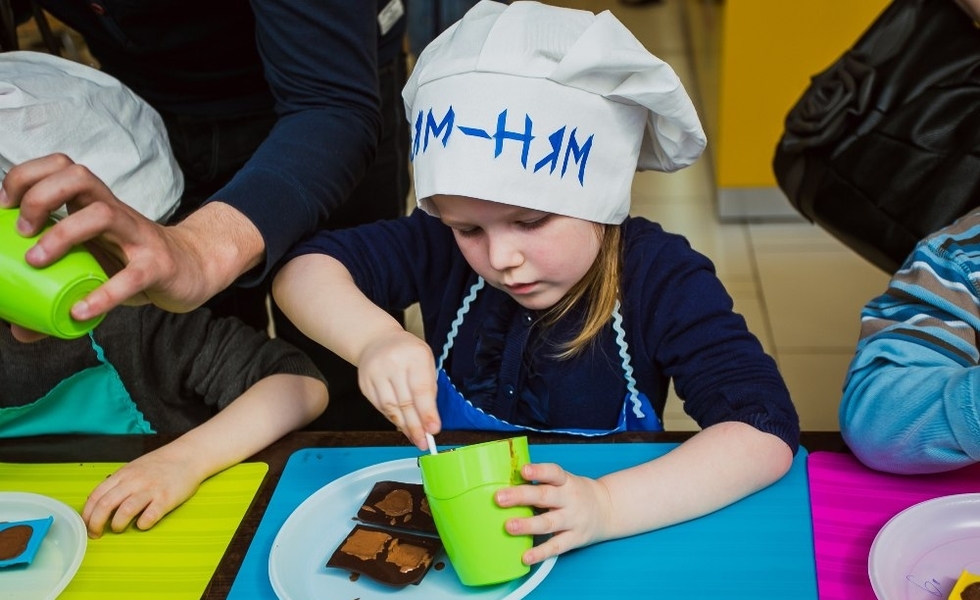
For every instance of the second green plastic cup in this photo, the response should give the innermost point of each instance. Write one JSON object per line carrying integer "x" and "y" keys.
{"x": 41, "y": 299}
{"x": 460, "y": 485}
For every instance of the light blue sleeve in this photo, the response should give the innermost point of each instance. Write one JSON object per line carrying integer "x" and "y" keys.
{"x": 910, "y": 401}
{"x": 909, "y": 406}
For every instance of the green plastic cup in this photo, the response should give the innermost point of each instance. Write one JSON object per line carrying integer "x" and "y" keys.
{"x": 41, "y": 299}
{"x": 460, "y": 485}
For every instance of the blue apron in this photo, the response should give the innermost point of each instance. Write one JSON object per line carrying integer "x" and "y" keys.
{"x": 456, "y": 412}
{"x": 92, "y": 401}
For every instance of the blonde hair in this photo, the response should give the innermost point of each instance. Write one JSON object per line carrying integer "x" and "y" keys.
{"x": 600, "y": 288}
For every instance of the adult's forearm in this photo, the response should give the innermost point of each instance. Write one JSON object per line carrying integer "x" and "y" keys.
{"x": 224, "y": 244}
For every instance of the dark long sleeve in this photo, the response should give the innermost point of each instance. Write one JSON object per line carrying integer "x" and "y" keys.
{"x": 314, "y": 63}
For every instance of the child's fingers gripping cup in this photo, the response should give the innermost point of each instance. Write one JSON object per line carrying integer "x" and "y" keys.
{"x": 460, "y": 485}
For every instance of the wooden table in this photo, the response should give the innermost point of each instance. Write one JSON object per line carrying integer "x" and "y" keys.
{"x": 51, "y": 449}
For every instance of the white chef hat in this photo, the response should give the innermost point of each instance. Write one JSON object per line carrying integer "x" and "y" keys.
{"x": 547, "y": 108}
{"x": 50, "y": 104}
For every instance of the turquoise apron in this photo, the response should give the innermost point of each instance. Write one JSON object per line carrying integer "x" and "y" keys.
{"x": 92, "y": 401}
{"x": 456, "y": 412}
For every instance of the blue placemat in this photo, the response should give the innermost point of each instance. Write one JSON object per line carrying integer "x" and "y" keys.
{"x": 758, "y": 548}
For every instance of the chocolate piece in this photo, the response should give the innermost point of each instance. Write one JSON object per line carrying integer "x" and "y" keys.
{"x": 971, "y": 592}
{"x": 365, "y": 544}
{"x": 389, "y": 557}
{"x": 13, "y": 541}
{"x": 397, "y": 504}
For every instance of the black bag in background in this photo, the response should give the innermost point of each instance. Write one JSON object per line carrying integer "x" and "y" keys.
{"x": 883, "y": 148}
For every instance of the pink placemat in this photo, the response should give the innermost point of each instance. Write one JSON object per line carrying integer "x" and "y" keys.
{"x": 850, "y": 503}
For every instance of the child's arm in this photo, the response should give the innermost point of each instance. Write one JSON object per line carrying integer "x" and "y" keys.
{"x": 154, "y": 484}
{"x": 396, "y": 370}
{"x": 713, "y": 469}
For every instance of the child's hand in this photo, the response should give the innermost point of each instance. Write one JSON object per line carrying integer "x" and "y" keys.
{"x": 25, "y": 336}
{"x": 149, "y": 487}
{"x": 577, "y": 510}
{"x": 397, "y": 373}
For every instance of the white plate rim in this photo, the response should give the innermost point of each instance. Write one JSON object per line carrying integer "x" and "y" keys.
{"x": 69, "y": 517}
{"x": 898, "y": 521}
{"x": 374, "y": 473}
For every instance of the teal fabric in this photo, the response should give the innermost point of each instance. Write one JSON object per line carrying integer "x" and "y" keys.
{"x": 93, "y": 401}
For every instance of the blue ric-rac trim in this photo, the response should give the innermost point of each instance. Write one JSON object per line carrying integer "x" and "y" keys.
{"x": 454, "y": 328}
{"x": 617, "y": 325}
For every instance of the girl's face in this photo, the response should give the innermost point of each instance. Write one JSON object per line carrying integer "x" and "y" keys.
{"x": 534, "y": 256}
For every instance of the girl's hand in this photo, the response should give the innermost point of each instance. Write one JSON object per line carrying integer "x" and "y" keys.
{"x": 397, "y": 373}
{"x": 148, "y": 488}
{"x": 577, "y": 510}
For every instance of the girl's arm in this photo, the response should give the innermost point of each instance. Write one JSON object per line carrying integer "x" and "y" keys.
{"x": 713, "y": 469}
{"x": 716, "y": 467}
{"x": 154, "y": 484}
{"x": 396, "y": 370}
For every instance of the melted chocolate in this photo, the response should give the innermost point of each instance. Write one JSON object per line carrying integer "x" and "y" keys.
{"x": 971, "y": 592}
{"x": 397, "y": 504}
{"x": 389, "y": 557}
{"x": 14, "y": 540}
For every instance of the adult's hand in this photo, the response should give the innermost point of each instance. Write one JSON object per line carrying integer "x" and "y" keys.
{"x": 176, "y": 267}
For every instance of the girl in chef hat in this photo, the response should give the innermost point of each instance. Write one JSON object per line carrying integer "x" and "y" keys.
{"x": 546, "y": 308}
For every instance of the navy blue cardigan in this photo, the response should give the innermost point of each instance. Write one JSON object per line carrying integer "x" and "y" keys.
{"x": 677, "y": 316}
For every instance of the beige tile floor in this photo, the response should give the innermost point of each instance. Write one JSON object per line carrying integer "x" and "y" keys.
{"x": 800, "y": 290}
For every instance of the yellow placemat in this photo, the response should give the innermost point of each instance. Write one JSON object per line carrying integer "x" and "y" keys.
{"x": 173, "y": 560}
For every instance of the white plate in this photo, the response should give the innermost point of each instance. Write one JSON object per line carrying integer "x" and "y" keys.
{"x": 921, "y": 552}
{"x": 60, "y": 554}
{"x": 318, "y": 525}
